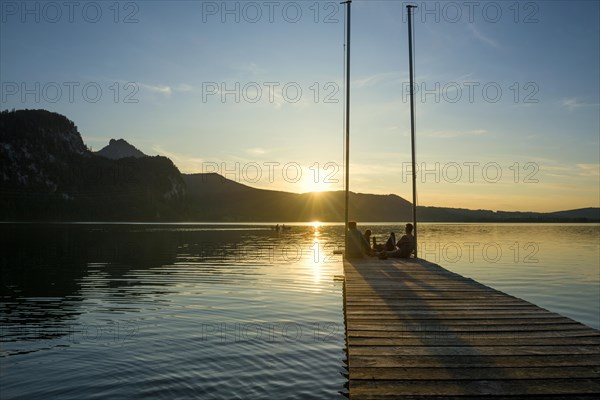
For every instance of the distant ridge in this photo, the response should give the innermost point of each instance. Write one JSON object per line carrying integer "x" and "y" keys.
{"x": 214, "y": 197}
{"x": 443, "y": 214}
{"x": 48, "y": 173}
{"x": 590, "y": 213}
{"x": 118, "y": 149}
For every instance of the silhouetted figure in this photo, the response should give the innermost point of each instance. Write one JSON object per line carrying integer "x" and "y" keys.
{"x": 368, "y": 237}
{"x": 406, "y": 244}
{"x": 356, "y": 246}
{"x": 390, "y": 244}
{"x": 404, "y": 247}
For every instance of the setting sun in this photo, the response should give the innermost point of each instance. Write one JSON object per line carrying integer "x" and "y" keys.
{"x": 309, "y": 186}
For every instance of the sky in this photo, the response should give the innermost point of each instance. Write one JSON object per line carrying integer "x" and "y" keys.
{"x": 507, "y": 102}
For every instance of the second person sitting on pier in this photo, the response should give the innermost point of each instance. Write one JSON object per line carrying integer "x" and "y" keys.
{"x": 405, "y": 246}
{"x": 356, "y": 245}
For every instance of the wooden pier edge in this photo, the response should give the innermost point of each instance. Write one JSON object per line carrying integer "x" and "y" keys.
{"x": 417, "y": 330}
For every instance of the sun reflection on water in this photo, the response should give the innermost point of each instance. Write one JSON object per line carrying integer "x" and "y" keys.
{"x": 317, "y": 256}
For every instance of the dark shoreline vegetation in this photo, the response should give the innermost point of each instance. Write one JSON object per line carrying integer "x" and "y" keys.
{"x": 49, "y": 174}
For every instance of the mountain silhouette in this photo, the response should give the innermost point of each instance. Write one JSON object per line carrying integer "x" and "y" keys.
{"x": 118, "y": 149}
{"x": 48, "y": 173}
{"x": 212, "y": 196}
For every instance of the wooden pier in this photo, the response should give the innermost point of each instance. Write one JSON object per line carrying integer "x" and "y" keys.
{"x": 417, "y": 330}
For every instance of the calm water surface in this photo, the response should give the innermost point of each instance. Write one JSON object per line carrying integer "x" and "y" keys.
{"x": 233, "y": 311}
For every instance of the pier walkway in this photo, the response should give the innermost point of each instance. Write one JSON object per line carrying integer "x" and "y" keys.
{"x": 417, "y": 330}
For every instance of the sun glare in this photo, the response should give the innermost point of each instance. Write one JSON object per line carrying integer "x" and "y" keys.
{"x": 316, "y": 184}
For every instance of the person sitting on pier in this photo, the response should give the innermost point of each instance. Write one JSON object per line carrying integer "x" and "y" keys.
{"x": 356, "y": 246}
{"x": 368, "y": 237}
{"x": 405, "y": 246}
{"x": 390, "y": 245}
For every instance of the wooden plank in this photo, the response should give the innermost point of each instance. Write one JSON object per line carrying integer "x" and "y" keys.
{"x": 513, "y": 387}
{"x": 470, "y": 373}
{"x": 438, "y": 308}
{"x": 423, "y": 315}
{"x": 449, "y": 335}
{"x": 473, "y": 341}
{"x": 415, "y": 329}
{"x": 411, "y": 326}
{"x": 469, "y": 350}
{"x": 369, "y": 312}
{"x": 566, "y": 360}
{"x": 460, "y": 320}
{"x": 579, "y": 396}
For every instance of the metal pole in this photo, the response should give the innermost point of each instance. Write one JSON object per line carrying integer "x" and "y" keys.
{"x": 347, "y": 194}
{"x": 412, "y": 120}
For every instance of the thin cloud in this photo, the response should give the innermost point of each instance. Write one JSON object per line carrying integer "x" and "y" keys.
{"x": 589, "y": 169}
{"x": 256, "y": 151}
{"x": 374, "y": 79}
{"x": 573, "y": 104}
{"x": 165, "y": 89}
{"x": 454, "y": 134}
{"x": 483, "y": 38}
{"x": 251, "y": 68}
{"x": 463, "y": 78}
{"x": 555, "y": 168}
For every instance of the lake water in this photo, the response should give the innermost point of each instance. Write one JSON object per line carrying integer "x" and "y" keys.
{"x": 233, "y": 311}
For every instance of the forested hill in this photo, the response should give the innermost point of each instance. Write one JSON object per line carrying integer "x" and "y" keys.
{"x": 48, "y": 173}
{"x": 212, "y": 197}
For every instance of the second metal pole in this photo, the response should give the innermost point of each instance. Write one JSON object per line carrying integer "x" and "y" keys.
{"x": 412, "y": 121}
{"x": 347, "y": 195}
